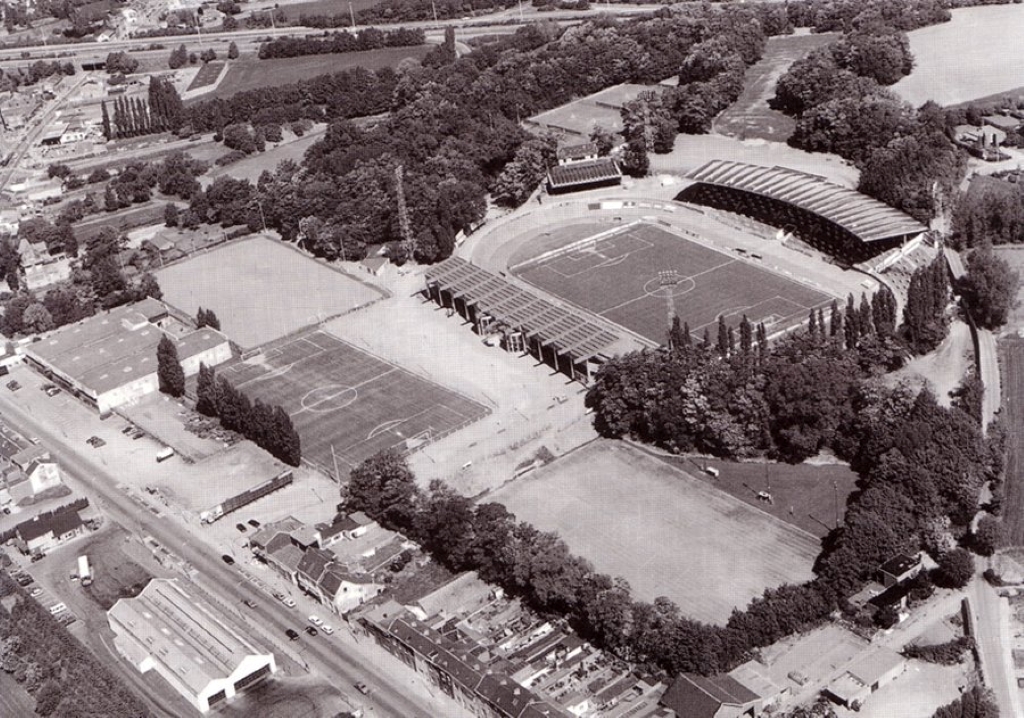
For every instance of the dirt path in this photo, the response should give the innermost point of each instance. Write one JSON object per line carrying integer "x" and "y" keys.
{"x": 944, "y": 368}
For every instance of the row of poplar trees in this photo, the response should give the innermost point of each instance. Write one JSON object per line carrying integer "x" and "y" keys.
{"x": 163, "y": 111}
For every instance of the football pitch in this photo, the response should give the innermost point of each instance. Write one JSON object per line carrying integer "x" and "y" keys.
{"x": 664, "y": 531}
{"x": 346, "y": 404}
{"x": 636, "y": 276}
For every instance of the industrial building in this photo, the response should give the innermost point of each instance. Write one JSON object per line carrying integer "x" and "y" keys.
{"x": 838, "y": 221}
{"x": 110, "y": 359}
{"x": 167, "y": 630}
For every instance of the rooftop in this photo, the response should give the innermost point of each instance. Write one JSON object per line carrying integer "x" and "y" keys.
{"x": 463, "y": 593}
{"x": 109, "y": 350}
{"x": 58, "y": 522}
{"x": 185, "y": 636}
{"x": 866, "y": 218}
{"x": 696, "y": 696}
{"x": 899, "y": 565}
{"x": 870, "y": 667}
{"x": 602, "y": 169}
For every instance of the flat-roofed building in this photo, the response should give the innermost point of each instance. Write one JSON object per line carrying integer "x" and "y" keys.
{"x": 167, "y": 630}
{"x": 110, "y": 359}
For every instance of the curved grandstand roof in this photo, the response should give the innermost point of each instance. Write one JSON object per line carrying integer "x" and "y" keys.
{"x": 867, "y": 218}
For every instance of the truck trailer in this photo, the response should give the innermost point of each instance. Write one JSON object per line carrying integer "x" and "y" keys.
{"x": 84, "y": 570}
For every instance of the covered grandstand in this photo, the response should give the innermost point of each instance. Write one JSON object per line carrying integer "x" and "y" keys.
{"x": 566, "y": 339}
{"x": 836, "y": 220}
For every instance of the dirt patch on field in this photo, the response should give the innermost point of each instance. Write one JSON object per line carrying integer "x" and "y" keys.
{"x": 943, "y": 369}
{"x": 674, "y": 535}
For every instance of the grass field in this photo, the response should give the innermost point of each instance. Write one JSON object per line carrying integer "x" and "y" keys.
{"x": 1012, "y": 362}
{"x": 324, "y": 7}
{"x": 252, "y": 166}
{"x": 977, "y": 54}
{"x": 253, "y": 74}
{"x": 261, "y": 289}
{"x": 1014, "y": 256}
{"x": 207, "y": 75}
{"x": 618, "y": 278}
{"x": 750, "y": 116}
{"x": 673, "y": 536}
{"x": 600, "y": 109}
{"x": 804, "y": 495}
{"x": 346, "y": 404}
{"x": 115, "y": 575}
{"x": 14, "y": 699}
{"x": 121, "y": 221}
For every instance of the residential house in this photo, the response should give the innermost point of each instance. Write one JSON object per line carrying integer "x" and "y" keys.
{"x": 40, "y": 268}
{"x": 49, "y": 530}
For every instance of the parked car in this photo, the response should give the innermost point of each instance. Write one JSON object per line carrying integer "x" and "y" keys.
{"x": 53, "y": 391}
{"x": 13, "y": 385}
{"x": 138, "y": 434}
{"x": 293, "y": 635}
{"x": 327, "y": 629}
{"x": 316, "y": 620}
{"x": 128, "y": 430}
{"x": 228, "y": 560}
{"x": 311, "y": 631}
{"x": 288, "y": 602}
{"x": 363, "y": 688}
{"x": 241, "y": 527}
{"x": 254, "y": 523}
{"x": 249, "y": 602}
{"x": 35, "y": 592}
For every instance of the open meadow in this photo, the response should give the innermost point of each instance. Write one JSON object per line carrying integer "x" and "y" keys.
{"x": 1011, "y": 361}
{"x": 324, "y": 7}
{"x": 750, "y": 116}
{"x": 261, "y": 289}
{"x": 977, "y": 54}
{"x": 620, "y": 277}
{"x": 251, "y": 73}
{"x": 252, "y": 166}
{"x": 674, "y": 535}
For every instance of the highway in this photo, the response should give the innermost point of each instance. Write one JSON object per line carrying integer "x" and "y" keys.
{"x": 337, "y": 659}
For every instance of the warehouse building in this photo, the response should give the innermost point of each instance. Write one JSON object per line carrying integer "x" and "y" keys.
{"x": 110, "y": 359}
{"x": 166, "y": 630}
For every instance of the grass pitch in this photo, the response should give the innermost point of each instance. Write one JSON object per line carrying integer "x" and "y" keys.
{"x": 252, "y": 73}
{"x": 207, "y": 75}
{"x": 346, "y": 404}
{"x": 618, "y": 277}
{"x": 664, "y": 531}
{"x": 261, "y": 289}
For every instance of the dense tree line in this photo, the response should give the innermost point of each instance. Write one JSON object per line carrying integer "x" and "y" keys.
{"x": 121, "y": 62}
{"x": 990, "y": 212}
{"x": 268, "y": 426}
{"x": 13, "y": 78}
{"x": 975, "y": 702}
{"x": 207, "y": 318}
{"x": 407, "y": 10}
{"x": 169, "y": 373}
{"x": 131, "y": 117}
{"x": 64, "y": 678}
{"x": 847, "y": 15}
{"x": 925, "y": 324}
{"x": 369, "y": 38}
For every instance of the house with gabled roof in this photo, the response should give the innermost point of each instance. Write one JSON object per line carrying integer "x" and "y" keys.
{"x": 721, "y": 696}
{"x": 49, "y": 530}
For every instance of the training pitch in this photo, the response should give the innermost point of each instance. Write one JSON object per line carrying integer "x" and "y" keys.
{"x": 346, "y": 404}
{"x": 636, "y": 276}
{"x": 261, "y": 289}
{"x": 664, "y": 531}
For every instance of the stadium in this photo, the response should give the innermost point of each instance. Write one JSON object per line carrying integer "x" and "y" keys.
{"x": 585, "y": 279}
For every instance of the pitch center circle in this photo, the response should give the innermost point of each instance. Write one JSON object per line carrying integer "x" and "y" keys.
{"x": 653, "y": 287}
{"x": 329, "y": 398}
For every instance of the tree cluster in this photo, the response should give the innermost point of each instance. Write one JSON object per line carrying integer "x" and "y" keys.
{"x": 990, "y": 212}
{"x": 946, "y": 654}
{"x": 268, "y": 426}
{"x": 848, "y": 15}
{"x": 178, "y": 58}
{"x": 391, "y": 11}
{"x": 207, "y": 318}
{"x": 65, "y": 679}
{"x": 925, "y": 323}
{"x": 121, "y": 62}
{"x": 169, "y": 372}
{"x": 989, "y": 290}
{"x": 975, "y": 702}
{"x": 741, "y": 398}
{"x": 369, "y": 38}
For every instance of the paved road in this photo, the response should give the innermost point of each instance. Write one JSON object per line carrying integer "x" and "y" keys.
{"x": 992, "y": 640}
{"x": 337, "y": 658}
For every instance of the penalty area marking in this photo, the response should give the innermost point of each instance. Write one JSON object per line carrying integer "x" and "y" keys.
{"x": 385, "y": 427}
{"x": 328, "y": 398}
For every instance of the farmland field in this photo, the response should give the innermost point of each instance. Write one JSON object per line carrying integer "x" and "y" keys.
{"x": 750, "y": 116}
{"x": 674, "y": 536}
{"x": 346, "y": 404}
{"x": 1011, "y": 353}
{"x": 618, "y": 277}
{"x": 252, "y": 73}
{"x": 977, "y": 54}
{"x": 261, "y": 289}
{"x": 207, "y": 75}
{"x": 324, "y": 7}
